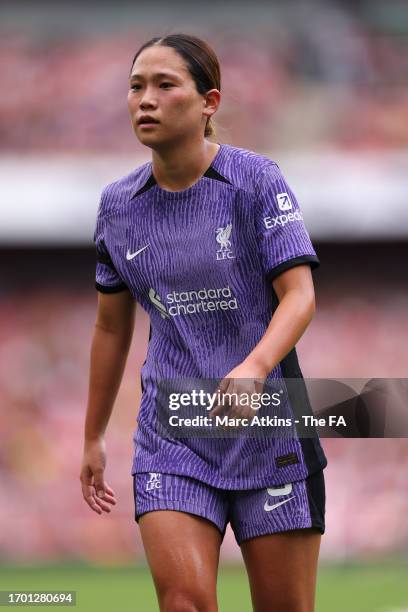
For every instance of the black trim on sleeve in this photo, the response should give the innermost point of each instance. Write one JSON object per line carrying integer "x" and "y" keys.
{"x": 111, "y": 288}
{"x": 313, "y": 260}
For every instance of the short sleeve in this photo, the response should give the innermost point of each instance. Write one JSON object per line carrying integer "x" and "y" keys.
{"x": 284, "y": 239}
{"x": 107, "y": 279}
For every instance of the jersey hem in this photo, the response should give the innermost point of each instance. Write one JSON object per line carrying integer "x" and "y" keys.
{"x": 110, "y": 288}
{"x": 234, "y": 484}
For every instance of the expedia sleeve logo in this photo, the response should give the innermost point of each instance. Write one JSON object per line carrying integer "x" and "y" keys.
{"x": 284, "y": 203}
{"x": 282, "y": 220}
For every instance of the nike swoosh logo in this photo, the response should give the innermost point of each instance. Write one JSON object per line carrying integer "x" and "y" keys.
{"x": 268, "y": 508}
{"x": 130, "y": 255}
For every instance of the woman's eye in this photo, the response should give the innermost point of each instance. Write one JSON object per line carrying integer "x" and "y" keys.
{"x": 137, "y": 87}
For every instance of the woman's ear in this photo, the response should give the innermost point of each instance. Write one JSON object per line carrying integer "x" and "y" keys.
{"x": 211, "y": 102}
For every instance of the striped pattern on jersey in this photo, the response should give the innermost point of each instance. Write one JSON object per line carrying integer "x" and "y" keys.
{"x": 201, "y": 262}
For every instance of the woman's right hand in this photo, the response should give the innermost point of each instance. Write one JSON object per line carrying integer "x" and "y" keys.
{"x": 96, "y": 492}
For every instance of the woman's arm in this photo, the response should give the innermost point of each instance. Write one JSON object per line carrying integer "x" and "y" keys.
{"x": 110, "y": 347}
{"x": 296, "y": 308}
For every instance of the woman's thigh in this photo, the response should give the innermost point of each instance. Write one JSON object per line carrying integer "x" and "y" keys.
{"x": 279, "y": 530}
{"x": 182, "y": 551}
{"x": 282, "y": 570}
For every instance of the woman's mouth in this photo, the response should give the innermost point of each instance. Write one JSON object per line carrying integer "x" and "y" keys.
{"x": 147, "y": 121}
{"x": 148, "y": 124}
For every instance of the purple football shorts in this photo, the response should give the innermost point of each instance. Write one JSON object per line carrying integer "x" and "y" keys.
{"x": 252, "y": 512}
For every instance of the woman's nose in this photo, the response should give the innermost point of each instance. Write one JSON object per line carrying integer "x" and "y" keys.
{"x": 148, "y": 98}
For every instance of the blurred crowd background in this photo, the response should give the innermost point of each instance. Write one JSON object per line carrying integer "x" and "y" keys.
{"x": 313, "y": 85}
{"x": 294, "y": 74}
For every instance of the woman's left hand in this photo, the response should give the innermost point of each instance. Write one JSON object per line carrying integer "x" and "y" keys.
{"x": 246, "y": 378}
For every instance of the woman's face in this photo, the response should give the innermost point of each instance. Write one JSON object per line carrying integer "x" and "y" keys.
{"x": 162, "y": 87}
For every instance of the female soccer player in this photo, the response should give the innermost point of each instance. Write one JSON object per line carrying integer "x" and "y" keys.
{"x": 210, "y": 240}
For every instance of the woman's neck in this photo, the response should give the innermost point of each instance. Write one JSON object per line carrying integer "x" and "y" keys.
{"x": 181, "y": 167}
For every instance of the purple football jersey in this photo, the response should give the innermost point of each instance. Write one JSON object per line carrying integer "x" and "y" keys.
{"x": 201, "y": 262}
